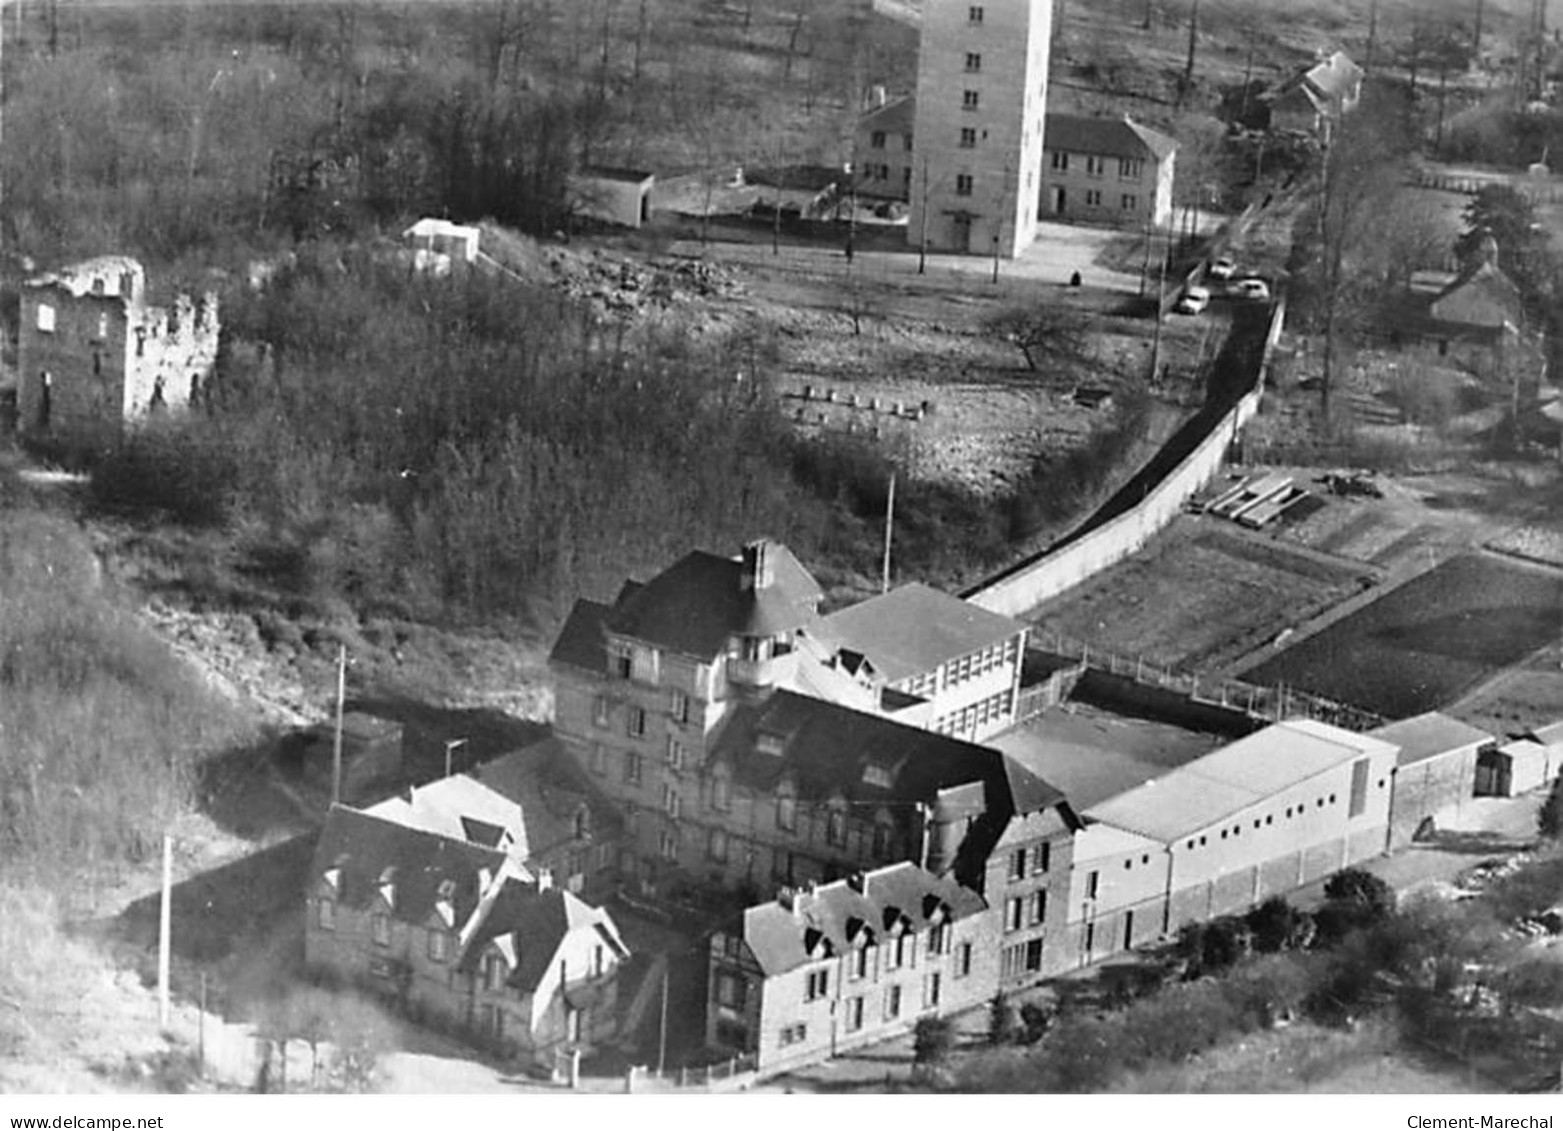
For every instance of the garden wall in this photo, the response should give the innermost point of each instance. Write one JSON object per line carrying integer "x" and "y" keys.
{"x": 1026, "y": 585}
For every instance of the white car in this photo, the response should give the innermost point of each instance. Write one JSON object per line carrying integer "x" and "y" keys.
{"x": 1254, "y": 290}
{"x": 1193, "y": 300}
{"x": 1223, "y": 268}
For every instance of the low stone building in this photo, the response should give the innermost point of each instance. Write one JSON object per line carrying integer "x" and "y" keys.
{"x": 1262, "y": 816}
{"x": 612, "y": 196}
{"x": 822, "y": 970}
{"x": 1435, "y": 771}
{"x": 93, "y": 354}
{"x": 461, "y": 934}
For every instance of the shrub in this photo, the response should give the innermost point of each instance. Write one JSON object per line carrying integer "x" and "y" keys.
{"x": 932, "y": 1040}
{"x": 1274, "y": 925}
{"x": 1001, "y": 1021}
{"x": 1360, "y": 888}
{"x": 1549, "y": 821}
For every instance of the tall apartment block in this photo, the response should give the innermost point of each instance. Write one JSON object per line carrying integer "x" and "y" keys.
{"x": 981, "y": 101}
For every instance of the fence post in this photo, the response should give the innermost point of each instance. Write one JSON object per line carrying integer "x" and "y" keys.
{"x": 1139, "y": 669}
{"x": 683, "y": 1078}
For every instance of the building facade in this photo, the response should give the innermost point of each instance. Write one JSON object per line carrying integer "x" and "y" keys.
{"x": 882, "y": 151}
{"x": 710, "y": 708}
{"x": 963, "y": 660}
{"x": 1107, "y": 171}
{"x": 93, "y": 355}
{"x": 1263, "y": 816}
{"x": 1435, "y": 771}
{"x": 823, "y": 970}
{"x": 449, "y": 930}
{"x": 1027, "y": 884}
{"x": 982, "y": 73}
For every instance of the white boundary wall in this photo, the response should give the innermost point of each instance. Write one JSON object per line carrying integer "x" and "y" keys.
{"x": 1055, "y": 571}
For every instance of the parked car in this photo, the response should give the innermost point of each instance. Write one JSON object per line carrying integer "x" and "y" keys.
{"x": 1193, "y": 300}
{"x": 1253, "y": 290}
{"x": 1223, "y": 268}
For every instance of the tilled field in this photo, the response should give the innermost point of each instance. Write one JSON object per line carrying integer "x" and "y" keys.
{"x": 1430, "y": 641}
{"x": 1201, "y": 595}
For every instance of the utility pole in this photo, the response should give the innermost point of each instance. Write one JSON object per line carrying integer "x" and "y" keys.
{"x": 1188, "y": 67}
{"x": 1476, "y": 34}
{"x": 336, "y": 743}
{"x": 998, "y": 222}
{"x": 164, "y": 924}
{"x": 922, "y": 237}
{"x": 1372, "y": 37}
{"x": 884, "y": 585}
{"x": 1161, "y": 303}
{"x": 662, "y": 1027}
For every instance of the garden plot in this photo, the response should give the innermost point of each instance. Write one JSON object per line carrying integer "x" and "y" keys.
{"x": 1430, "y": 641}
{"x": 1202, "y": 594}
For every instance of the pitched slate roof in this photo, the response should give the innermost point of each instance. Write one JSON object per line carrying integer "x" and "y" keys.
{"x": 1243, "y": 773}
{"x": 461, "y": 807}
{"x": 825, "y": 750}
{"x": 366, "y": 848}
{"x": 1481, "y": 295}
{"x": 1110, "y": 137}
{"x": 834, "y": 917}
{"x": 581, "y": 642}
{"x": 915, "y": 628}
{"x": 894, "y": 117}
{"x": 700, "y": 601}
{"x": 530, "y": 925}
{"x": 550, "y": 787}
{"x": 1427, "y": 736}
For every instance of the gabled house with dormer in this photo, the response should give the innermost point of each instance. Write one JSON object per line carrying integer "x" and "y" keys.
{"x": 824, "y": 969}
{"x": 449, "y": 929}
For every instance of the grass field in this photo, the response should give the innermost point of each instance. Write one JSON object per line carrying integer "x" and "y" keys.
{"x": 1430, "y": 641}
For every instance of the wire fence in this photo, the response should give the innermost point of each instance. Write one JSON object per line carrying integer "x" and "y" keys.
{"x": 1260, "y": 702}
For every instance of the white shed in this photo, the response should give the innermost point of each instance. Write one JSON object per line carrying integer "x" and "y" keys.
{"x": 437, "y": 245}
{"x": 614, "y": 196}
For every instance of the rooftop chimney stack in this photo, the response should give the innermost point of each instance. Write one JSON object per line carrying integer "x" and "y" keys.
{"x": 757, "y": 572}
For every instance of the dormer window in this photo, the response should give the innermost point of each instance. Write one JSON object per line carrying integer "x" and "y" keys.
{"x": 767, "y": 742}
{"x": 836, "y": 828}
{"x": 494, "y": 971}
{"x": 786, "y": 811}
{"x": 876, "y": 774}
{"x": 439, "y": 944}
{"x": 325, "y": 914}
{"x": 620, "y": 662}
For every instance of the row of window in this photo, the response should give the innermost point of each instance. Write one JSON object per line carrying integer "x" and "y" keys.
{"x": 1022, "y": 958}
{"x": 878, "y": 138}
{"x": 1128, "y": 202}
{"x": 1026, "y": 910}
{"x": 882, "y": 173}
{"x": 1269, "y": 819}
{"x": 975, "y": 716}
{"x": 1129, "y": 168}
{"x": 635, "y": 722}
{"x": 1034, "y": 860}
{"x": 856, "y": 1007}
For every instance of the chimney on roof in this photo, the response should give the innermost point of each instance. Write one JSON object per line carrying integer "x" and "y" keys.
{"x": 757, "y": 570}
{"x": 795, "y": 900}
{"x": 877, "y": 96}
{"x": 545, "y": 879}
